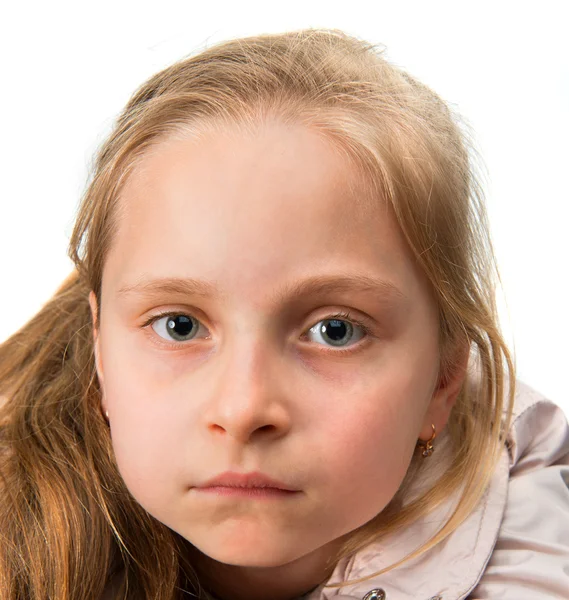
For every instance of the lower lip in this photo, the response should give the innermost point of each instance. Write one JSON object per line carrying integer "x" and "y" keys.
{"x": 247, "y": 492}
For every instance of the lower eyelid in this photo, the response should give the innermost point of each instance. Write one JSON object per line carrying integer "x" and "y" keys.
{"x": 360, "y": 345}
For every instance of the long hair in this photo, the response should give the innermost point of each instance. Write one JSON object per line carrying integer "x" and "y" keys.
{"x": 67, "y": 522}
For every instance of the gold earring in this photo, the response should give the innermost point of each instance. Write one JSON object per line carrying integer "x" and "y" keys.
{"x": 428, "y": 445}
{"x": 107, "y": 414}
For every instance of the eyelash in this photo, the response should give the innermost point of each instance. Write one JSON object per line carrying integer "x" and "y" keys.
{"x": 339, "y": 315}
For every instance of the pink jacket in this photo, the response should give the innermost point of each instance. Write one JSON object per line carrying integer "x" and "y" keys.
{"x": 514, "y": 546}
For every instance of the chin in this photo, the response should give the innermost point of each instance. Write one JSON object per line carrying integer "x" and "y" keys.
{"x": 242, "y": 553}
{"x": 252, "y": 557}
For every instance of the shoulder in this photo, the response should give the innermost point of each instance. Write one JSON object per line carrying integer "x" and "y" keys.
{"x": 539, "y": 432}
{"x": 531, "y": 554}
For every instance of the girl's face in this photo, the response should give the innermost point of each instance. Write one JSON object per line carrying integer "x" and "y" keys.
{"x": 253, "y": 243}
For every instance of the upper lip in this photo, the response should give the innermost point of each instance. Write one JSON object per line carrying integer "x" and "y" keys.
{"x": 246, "y": 480}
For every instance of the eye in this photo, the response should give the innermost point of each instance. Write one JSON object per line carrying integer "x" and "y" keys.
{"x": 338, "y": 331}
{"x": 175, "y": 326}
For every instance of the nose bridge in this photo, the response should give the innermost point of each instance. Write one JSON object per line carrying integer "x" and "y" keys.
{"x": 246, "y": 357}
{"x": 247, "y": 396}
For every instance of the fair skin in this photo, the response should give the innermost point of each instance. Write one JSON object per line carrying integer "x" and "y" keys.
{"x": 252, "y": 387}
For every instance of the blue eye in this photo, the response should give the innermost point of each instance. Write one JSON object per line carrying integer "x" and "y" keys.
{"x": 178, "y": 327}
{"x": 338, "y": 332}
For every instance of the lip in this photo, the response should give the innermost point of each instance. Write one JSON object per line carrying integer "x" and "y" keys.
{"x": 251, "y": 481}
{"x": 247, "y": 492}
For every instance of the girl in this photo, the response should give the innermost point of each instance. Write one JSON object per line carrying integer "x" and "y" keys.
{"x": 277, "y": 372}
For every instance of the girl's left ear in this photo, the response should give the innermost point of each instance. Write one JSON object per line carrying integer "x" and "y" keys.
{"x": 93, "y": 305}
{"x": 446, "y": 393}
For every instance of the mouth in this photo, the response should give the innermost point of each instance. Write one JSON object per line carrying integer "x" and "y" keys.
{"x": 247, "y": 492}
{"x": 247, "y": 481}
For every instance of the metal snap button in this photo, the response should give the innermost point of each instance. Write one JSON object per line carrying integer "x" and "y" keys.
{"x": 437, "y": 597}
{"x": 377, "y": 594}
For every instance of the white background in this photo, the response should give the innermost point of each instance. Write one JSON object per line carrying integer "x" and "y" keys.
{"x": 68, "y": 68}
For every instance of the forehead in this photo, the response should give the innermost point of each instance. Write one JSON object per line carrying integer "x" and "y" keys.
{"x": 248, "y": 207}
{"x": 270, "y": 162}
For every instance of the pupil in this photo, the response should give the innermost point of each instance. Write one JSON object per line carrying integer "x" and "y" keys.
{"x": 180, "y": 325}
{"x": 336, "y": 330}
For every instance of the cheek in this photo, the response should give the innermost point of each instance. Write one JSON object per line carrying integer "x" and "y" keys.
{"x": 367, "y": 436}
{"x": 146, "y": 430}
{"x": 367, "y": 461}
{"x": 145, "y": 450}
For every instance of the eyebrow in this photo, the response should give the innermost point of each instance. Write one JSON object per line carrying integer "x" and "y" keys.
{"x": 322, "y": 284}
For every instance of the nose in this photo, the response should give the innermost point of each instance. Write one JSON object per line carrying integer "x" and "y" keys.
{"x": 248, "y": 399}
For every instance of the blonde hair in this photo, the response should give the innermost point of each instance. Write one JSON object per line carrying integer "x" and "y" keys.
{"x": 67, "y": 521}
